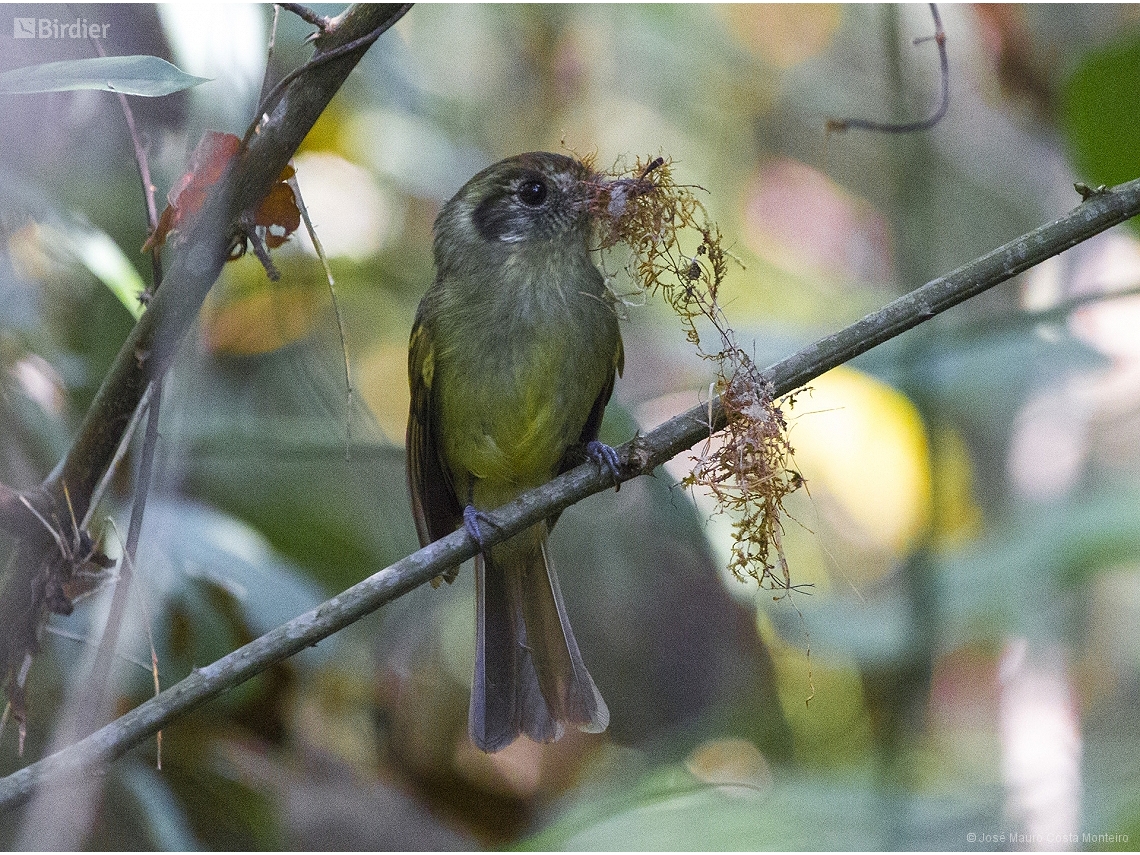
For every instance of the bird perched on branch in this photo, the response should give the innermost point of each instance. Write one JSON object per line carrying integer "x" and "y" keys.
{"x": 512, "y": 359}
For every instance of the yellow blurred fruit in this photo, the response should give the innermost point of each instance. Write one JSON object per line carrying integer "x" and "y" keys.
{"x": 863, "y": 444}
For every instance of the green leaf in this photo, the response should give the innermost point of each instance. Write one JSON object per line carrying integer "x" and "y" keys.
{"x": 158, "y": 809}
{"x": 129, "y": 75}
{"x": 1029, "y": 574}
{"x": 266, "y": 440}
{"x": 95, "y": 250}
{"x": 222, "y": 580}
{"x": 667, "y": 810}
{"x": 1099, "y": 113}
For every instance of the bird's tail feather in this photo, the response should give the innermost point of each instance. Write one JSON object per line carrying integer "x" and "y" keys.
{"x": 529, "y": 674}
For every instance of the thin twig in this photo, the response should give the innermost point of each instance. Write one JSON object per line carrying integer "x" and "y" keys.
{"x": 336, "y": 311}
{"x": 640, "y": 456}
{"x": 120, "y": 453}
{"x": 14, "y": 514}
{"x": 260, "y": 251}
{"x": 269, "y": 52}
{"x": 939, "y": 37}
{"x": 129, "y": 566}
{"x": 307, "y": 15}
{"x": 144, "y": 176}
{"x": 105, "y": 654}
{"x": 79, "y": 638}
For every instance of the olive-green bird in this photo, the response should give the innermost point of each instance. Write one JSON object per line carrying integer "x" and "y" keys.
{"x": 511, "y": 362}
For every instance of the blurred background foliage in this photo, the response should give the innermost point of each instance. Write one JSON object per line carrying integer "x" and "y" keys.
{"x": 965, "y": 660}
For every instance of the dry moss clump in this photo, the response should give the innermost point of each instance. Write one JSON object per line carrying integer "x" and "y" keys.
{"x": 749, "y": 470}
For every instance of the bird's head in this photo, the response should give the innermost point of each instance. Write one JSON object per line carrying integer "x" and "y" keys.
{"x": 532, "y": 205}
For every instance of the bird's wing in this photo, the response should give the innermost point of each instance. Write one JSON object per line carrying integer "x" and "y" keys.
{"x": 594, "y": 421}
{"x": 575, "y": 454}
{"x": 434, "y": 504}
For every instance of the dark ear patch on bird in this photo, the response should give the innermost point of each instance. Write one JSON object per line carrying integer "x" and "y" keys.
{"x": 494, "y": 217}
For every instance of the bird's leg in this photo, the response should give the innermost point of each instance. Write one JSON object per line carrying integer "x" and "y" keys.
{"x": 473, "y": 521}
{"x": 607, "y": 458}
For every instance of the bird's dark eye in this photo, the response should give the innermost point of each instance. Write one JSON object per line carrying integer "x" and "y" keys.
{"x": 532, "y": 192}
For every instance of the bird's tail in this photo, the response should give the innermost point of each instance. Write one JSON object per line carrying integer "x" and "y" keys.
{"x": 529, "y": 674}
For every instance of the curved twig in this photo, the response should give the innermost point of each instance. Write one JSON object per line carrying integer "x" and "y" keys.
{"x": 840, "y": 125}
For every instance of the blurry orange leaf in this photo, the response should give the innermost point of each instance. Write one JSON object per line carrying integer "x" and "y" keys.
{"x": 784, "y": 34}
{"x": 1023, "y": 67}
{"x": 729, "y": 761}
{"x": 260, "y": 322}
{"x": 207, "y": 165}
{"x": 279, "y": 209}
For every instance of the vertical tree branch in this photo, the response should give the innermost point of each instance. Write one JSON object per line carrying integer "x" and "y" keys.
{"x": 101, "y": 669}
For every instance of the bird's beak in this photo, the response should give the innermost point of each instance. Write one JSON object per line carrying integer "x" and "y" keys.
{"x": 609, "y": 197}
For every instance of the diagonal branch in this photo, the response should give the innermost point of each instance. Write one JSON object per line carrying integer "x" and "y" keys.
{"x": 640, "y": 456}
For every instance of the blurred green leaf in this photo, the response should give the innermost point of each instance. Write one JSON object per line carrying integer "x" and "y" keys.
{"x": 128, "y": 75}
{"x": 669, "y": 810}
{"x": 224, "y": 808}
{"x": 1028, "y": 574}
{"x": 1099, "y": 109}
{"x": 159, "y": 810}
{"x": 218, "y": 584}
{"x": 273, "y": 438}
{"x": 342, "y": 518}
{"x": 983, "y": 371}
{"x": 1111, "y": 786}
{"x": 102, "y": 257}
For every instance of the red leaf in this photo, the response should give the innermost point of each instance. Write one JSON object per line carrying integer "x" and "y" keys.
{"x": 207, "y": 165}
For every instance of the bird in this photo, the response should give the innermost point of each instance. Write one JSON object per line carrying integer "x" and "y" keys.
{"x": 512, "y": 358}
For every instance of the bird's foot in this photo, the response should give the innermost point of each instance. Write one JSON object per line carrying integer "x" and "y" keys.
{"x": 474, "y": 521}
{"x": 607, "y": 458}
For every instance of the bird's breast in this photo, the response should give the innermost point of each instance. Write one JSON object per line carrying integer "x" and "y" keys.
{"x": 517, "y": 394}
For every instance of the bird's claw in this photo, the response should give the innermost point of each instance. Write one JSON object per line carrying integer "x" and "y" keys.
{"x": 606, "y": 458}
{"x": 473, "y": 520}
